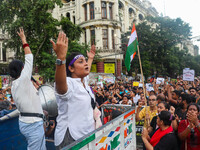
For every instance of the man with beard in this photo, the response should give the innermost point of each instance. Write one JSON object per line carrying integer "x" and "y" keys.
{"x": 193, "y": 91}
{"x": 180, "y": 112}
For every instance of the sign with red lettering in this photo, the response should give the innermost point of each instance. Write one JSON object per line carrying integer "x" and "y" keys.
{"x": 188, "y": 75}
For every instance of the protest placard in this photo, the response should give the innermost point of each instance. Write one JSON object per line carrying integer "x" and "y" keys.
{"x": 188, "y": 74}
{"x": 160, "y": 81}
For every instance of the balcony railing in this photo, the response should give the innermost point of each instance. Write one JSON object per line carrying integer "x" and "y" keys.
{"x": 110, "y": 50}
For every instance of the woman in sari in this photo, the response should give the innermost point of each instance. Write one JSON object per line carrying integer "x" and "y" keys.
{"x": 163, "y": 138}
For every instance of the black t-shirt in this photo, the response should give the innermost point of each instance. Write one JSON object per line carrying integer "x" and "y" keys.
{"x": 167, "y": 142}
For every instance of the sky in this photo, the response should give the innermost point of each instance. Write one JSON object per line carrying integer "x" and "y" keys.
{"x": 187, "y": 10}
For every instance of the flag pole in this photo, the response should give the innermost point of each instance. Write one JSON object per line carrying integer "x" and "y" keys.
{"x": 148, "y": 121}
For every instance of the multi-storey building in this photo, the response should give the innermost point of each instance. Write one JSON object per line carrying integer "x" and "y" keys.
{"x": 5, "y": 54}
{"x": 103, "y": 22}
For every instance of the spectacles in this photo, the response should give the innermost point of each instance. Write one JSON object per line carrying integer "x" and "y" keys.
{"x": 152, "y": 100}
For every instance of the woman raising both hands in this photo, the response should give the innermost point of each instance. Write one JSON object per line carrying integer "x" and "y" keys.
{"x": 74, "y": 97}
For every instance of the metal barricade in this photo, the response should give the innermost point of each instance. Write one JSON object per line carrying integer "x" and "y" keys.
{"x": 118, "y": 134}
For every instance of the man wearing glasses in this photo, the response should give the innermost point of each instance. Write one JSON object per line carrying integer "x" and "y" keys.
{"x": 148, "y": 112}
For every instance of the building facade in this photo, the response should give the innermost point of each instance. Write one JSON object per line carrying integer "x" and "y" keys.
{"x": 5, "y": 54}
{"x": 103, "y": 22}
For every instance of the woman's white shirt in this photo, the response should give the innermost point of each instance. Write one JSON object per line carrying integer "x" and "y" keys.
{"x": 74, "y": 110}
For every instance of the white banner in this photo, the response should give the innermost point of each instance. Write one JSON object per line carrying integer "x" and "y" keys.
{"x": 188, "y": 75}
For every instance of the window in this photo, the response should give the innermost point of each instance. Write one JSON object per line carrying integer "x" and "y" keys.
{"x": 66, "y": 1}
{"x": 4, "y": 53}
{"x": 113, "y": 39}
{"x": 68, "y": 15}
{"x": 103, "y": 10}
{"x": 92, "y": 35}
{"x": 111, "y": 10}
{"x": 85, "y": 11}
{"x": 74, "y": 19}
{"x": 0, "y": 50}
{"x": 105, "y": 38}
{"x": 141, "y": 17}
{"x": 92, "y": 10}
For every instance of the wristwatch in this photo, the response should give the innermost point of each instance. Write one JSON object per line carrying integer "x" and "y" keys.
{"x": 60, "y": 62}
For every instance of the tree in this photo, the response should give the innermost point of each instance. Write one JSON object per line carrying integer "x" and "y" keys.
{"x": 35, "y": 17}
{"x": 74, "y": 46}
{"x": 159, "y": 39}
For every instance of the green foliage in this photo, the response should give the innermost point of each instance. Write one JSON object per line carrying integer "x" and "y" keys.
{"x": 158, "y": 41}
{"x": 73, "y": 32}
{"x": 36, "y": 18}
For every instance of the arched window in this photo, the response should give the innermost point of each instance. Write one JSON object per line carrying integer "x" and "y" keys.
{"x": 105, "y": 38}
{"x": 131, "y": 11}
{"x": 141, "y": 17}
{"x": 92, "y": 10}
{"x": 92, "y": 35}
{"x": 68, "y": 15}
{"x": 66, "y": 1}
{"x": 121, "y": 6}
{"x": 85, "y": 11}
{"x": 103, "y": 10}
{"x": 111, "y": 10}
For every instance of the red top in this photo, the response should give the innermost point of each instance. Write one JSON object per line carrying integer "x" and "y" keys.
{"x": 193, "y": 141}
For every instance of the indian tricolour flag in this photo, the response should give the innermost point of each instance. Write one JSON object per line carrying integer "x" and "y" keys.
{"x": 131, "y": 49}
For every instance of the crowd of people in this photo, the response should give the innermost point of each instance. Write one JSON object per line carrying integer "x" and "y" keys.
{"x": 170, "y": 110}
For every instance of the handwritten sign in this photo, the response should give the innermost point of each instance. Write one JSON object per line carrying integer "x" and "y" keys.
{"x": 188, "y": 75}
{"x": 160, "y": 81}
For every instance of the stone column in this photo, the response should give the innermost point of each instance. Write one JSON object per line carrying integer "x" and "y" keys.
{"x": 109, "y": 38}
{"x": 88, "y": 11}
{"x": 116, "y": 11}
{"x": 98, "y": 37}
{"x": 107, "y": 10}
{"x": 126, "y": 17}
{"x": 87, "y": 35}
{"x": 118, "y": 67}
{"x": 100, "y": 67}
{"x": 97, "y": 6}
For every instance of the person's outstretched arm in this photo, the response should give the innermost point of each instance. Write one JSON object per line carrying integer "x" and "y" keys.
{"x": 26, "y": 47}
{"x": 60, "y": 48}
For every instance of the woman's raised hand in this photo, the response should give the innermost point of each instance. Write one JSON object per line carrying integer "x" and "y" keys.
{"x": 92, "y": 52}
{"x": 61, "y": 46}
